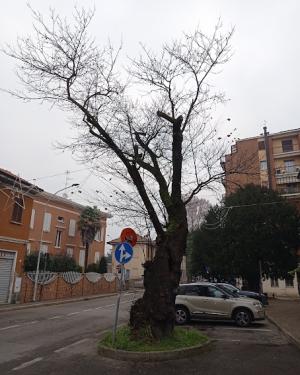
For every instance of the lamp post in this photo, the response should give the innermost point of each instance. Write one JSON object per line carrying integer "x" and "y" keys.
{"x": 41, "y": 240}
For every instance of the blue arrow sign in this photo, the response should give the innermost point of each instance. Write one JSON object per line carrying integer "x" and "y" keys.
{"x": 123, "y": 253}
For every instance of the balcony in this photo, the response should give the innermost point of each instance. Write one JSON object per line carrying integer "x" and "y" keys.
{"x": 289, "y": 190}
{"x": 291, "y": 150}
{"x": 287, "y": 174}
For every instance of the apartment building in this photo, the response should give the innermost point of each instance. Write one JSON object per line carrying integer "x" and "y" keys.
{"x": 271, "y": 160}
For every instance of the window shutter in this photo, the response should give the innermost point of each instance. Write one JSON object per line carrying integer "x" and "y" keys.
{"x": 72, "y": 227}
{"x": 32, "y": 218}
{"x": 47, "y": 222}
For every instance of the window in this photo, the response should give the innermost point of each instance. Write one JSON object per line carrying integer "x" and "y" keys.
{"x": 261, "y": 145}
{"x": 289, "y": 282}
{"x": 214, "y": 292}
{"x": 17, "y": 210}
{"x": 28, "y": 248}
{"x": 58, "y": 238}
{"x": 47, "y": 222}
{"x": 287, "y": 145}
{"x": 32, "y": 218}
{"x": 81, "y": 258}
{"x": 289, "y": 166}
{"x": 192, "y": 290}
{"x": 274, "y": 282}
{"x": 263, "y": 165}
{"x": 70, "y": 252}
{"x": 72, "y": 227}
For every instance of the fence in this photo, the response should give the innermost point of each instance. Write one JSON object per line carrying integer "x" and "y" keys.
{"x": 52, "y": 286}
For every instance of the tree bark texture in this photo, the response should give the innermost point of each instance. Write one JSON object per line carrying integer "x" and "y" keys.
{"x": 156, "y": 309}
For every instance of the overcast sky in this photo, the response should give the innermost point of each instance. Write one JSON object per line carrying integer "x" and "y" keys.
{"x": 262, "y": 79}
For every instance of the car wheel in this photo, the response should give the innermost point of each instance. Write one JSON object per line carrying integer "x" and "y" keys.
{"x": 243, "y": 317}
{"x": 182, "y": 315}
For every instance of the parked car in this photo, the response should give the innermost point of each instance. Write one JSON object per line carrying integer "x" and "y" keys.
{"x": 244, "y": 293}
{"x": 207, "y": 300}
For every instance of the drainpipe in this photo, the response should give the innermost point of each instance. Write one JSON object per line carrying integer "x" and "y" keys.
{"x": 268, "y": 157}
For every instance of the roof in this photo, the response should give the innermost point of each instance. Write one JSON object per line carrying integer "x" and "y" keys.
{"x": 278, "y": 134}
{"x": 7, "y": 178}
{"x": 69, "y": 202}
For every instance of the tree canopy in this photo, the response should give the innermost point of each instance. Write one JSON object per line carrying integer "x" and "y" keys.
{"x": 253, "y": 225}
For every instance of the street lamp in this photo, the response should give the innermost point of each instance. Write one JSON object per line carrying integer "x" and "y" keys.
{"x": 41, "y": 240}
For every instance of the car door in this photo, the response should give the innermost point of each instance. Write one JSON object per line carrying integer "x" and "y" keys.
{"x": 195, "y": 299}
{"x": 217, "y": 305}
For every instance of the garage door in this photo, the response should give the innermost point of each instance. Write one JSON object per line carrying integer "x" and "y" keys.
{"x": 6, "y": 265}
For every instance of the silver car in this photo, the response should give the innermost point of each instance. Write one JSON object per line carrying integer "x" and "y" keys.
{"x": 207, "y": 300}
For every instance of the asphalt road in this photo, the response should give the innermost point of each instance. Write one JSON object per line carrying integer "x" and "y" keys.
{"x": 62, "y": 340}
{"x": 31, "y": 335}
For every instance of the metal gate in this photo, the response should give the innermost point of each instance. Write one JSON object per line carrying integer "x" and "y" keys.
{"x": 6, "y": 266}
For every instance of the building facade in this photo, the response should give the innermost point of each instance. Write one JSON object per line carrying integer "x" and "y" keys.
{"x": 33, "y": 220}
{"x": 269, "y": 160}
{"x": 273, "y": 161}
{"x": 53, "y": 227}
{"x": 16, "y": 201}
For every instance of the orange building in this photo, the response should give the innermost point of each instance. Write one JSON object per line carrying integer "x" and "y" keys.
{"x": 53, "y": 227}
{"x": 16, "y": 201}
{"x": 31, "y": 219}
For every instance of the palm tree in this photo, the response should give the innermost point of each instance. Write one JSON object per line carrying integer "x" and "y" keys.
{"x": 89, "y": 225}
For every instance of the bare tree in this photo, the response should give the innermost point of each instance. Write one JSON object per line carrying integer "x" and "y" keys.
{"x": 154, "y": 133}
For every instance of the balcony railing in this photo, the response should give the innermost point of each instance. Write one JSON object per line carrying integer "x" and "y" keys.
{"x": 286, "y": 190}
{"x": 291, "y": 169}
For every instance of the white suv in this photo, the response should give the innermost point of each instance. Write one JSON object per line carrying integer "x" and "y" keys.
{"x": 206, "y": 300}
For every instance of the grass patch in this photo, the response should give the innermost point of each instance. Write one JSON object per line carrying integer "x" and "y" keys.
{"x": 181, "y": 338}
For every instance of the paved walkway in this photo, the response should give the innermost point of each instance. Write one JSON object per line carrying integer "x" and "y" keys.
{"x": 286, "y": 315}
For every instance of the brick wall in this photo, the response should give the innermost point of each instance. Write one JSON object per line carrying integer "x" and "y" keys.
{"x": 60, "y": 289}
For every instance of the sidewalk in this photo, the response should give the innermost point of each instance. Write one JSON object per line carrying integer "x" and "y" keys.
{"x": 285, "y": 314}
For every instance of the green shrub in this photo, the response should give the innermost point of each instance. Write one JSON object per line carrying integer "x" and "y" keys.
{"x": 53, "y": 263}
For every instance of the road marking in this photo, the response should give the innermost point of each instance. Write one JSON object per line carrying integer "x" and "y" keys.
{"x": 228, "y": 340}
{"x": 110, "y": 305}
{"x": 74, "y": 313}
{"x": 26, "y": 364}
{"x": 8, "y": 327}
{"x": 86, "y": 310}
{"x": 33, "y": 322}
{"x": 55, "y": 317}
{"x": 71, "y": 345}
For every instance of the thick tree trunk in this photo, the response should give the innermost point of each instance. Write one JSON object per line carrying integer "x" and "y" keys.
{"x": 156, "y": 309}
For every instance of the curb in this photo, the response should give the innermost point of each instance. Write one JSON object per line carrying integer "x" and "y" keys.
{"x": 295, "y": 341}
{"x": 56, "y": 302}
{"x": 124, "y": 355}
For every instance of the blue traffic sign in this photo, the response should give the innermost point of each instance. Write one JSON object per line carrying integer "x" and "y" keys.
{"x": 123, "y": 253}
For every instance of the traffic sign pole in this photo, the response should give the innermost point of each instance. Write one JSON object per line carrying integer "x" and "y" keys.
{"x": 118, "y": 306}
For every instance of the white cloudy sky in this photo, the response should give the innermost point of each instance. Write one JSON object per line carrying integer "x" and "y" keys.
{"x": 262, "y": 80}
